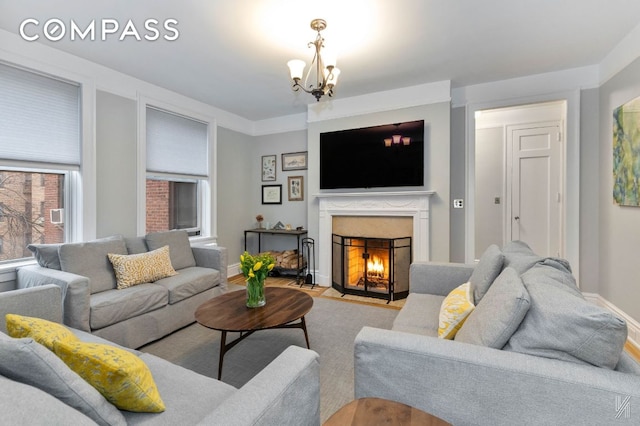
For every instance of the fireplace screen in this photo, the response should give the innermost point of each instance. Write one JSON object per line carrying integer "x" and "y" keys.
{"x": 374, "y": 267}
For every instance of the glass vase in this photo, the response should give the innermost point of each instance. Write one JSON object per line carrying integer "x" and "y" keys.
{"x": 255, "y": 293}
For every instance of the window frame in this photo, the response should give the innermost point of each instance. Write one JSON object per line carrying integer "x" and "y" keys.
{"x": 207, "y": 199}
{"x": 80, "y": 184}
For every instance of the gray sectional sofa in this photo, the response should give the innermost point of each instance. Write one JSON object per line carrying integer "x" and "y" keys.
{"x": 138, "y": 314}
{"x": 533, "y": 351}
{"x": 286, "y": 392}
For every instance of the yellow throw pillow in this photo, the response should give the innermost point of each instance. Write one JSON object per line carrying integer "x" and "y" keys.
{"x": 120, "y": 376}
{"x": 42, "y": 331}
{"x": 141, "y": 268}
{"x": 454, "y": 310}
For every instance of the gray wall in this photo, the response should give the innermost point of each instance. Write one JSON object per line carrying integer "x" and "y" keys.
{"x": 458, "y": 184}
{"x": 589, "y": 189}
{"x": 619, "y": 238}
{"x": 236, "y": 209}
{"x": 489, "y": 180}
{"x": 293, "y": 213}
{"x": 116, "y": 135}
{"x": 437, "y": 164}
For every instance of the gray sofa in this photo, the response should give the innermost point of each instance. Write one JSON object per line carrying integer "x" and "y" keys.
{"x": 533, "y": 351}
{"x": 286, "y": 392}
{"x": 138, "y": 314}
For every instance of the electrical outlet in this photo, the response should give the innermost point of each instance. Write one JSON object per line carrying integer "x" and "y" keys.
{"x": 458, "y": 203}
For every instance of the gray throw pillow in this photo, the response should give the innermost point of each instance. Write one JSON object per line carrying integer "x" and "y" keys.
{"x": 89, "y": 259}
{"x": 179, "y": 247}
{"x": 46, "y": 255}
{"x": 498, "y": 316}
{"x": 28, "y": 362}
{"x": 486, "y": 271}
{"x": 519, "y": 256}
{"x": 561, "y": 324}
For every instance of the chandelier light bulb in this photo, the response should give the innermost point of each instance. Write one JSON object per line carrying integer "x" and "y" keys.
{"x": 296, "y": 68}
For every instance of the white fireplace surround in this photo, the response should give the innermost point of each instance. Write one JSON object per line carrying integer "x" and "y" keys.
{"x": 414, "y": 204}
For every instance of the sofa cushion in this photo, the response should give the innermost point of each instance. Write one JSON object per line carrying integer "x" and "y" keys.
{"x": 488, "y": 268}
{"x": 120, "y": 376}
{"x": 42, "y": 331}
{"x": 455, "y": 309}
{"x": 501, "y": 311}
{"x": 188, "y": 396}
{"x": 89, "y": 259}
{"x": 28, "y": 362}
{"x": 561, "y": 324}
{"x": 419, "y": 315}
{"x": 188, "y": 282}
{"x": 110, "y": 307}
{"x": 134, "y": 269}
{"x": 46, "y": 255}
{"x": 519, "y": 256}
{"x": 136, "y": 245}
{"x": 179, "y": 247}
{"x": 26, "y": 405}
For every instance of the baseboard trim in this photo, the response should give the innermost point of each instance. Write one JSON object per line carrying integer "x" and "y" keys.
{"x": 633, "y": 327}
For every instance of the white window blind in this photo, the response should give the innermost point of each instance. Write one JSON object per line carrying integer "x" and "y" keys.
{"x": 39, "y": 118}
{"x": 176, "y": 144}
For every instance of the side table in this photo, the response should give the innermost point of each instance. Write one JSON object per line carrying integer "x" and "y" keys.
{"x": 377, "y": 411}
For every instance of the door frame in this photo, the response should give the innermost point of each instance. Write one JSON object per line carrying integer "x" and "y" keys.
{"x": 570, "y": 179}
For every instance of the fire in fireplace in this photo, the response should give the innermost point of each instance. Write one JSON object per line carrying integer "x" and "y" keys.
{"x": 369, "y": 266}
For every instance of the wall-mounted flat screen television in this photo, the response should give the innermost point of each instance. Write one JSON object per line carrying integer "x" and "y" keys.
{"x": 390, "y": 155}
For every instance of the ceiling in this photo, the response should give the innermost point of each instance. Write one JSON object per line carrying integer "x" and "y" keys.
{"x": 233, "y": 54}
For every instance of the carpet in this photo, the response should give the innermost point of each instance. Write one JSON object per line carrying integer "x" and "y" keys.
{"x": 332, "y": 326}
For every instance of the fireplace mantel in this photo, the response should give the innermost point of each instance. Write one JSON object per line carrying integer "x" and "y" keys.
{"x": 414, "y": 204}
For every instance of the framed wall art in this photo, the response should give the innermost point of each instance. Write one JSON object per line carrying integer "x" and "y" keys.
{"x": 295, "y": 185}
{"x": 271, "y": 194}
{"x": 626, "y": 154}
{"x": 294, "y": 161}
{"x": 268, "y": 168}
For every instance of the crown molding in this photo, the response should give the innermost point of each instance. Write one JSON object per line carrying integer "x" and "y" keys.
{"x": 406, "y": 97}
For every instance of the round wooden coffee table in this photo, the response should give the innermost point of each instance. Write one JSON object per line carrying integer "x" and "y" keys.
{"x": 378, "y": 411}
{"x": 229, "y": 313}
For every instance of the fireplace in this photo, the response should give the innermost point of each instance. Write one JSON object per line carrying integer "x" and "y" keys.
{"x": 413, "y": 204}
{"x": 373, "y": 267}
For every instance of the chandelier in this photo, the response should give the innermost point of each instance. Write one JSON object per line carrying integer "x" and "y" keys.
{"x": 326, "y": 73}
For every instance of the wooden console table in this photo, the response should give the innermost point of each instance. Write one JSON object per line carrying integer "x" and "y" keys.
{"x": 294, "y": 233}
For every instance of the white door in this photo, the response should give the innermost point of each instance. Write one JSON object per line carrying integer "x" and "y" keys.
{"x": 534, "y": 187}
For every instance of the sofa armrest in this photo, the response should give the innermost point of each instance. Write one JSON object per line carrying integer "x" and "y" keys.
{"x": 472, "y": 385}
{"x": 437, "y": 278}
{"x": 75, "y": 292}
{"x": 285, "y": 392}
{"x": 214, "y": 257}
{"x": 41, "y": 302}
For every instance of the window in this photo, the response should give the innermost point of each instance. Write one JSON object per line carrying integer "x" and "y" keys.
{"x": 177, "y": 171}
{"x": 26, "y": 202}
{"x": 40, "y": 146}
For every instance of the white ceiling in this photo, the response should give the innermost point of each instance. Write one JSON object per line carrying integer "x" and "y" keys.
{"x": 232, "y": 54}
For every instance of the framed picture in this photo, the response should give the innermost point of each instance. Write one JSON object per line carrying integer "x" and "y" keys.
{"x": 626, "y": 154}
{"x": 268, "y": 168}
{"x": 294, "y": 161}
{"x": 296, "y": 188}
{"x": 271, "y": 194}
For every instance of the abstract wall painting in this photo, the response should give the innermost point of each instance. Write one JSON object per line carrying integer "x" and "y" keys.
{"x": 626, "y": 154}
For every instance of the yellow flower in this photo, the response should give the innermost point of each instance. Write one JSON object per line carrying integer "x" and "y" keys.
{"x": 242, "y": 258}
{"x": 251, "y": 274}
{"x": 257, "y": 266}
{"x": 270, "y": 267}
